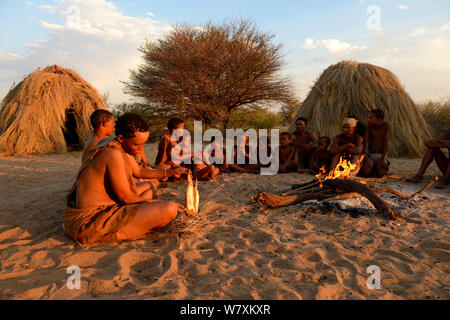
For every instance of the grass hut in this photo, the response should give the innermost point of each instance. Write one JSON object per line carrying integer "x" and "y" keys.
{"x": 352, "y": 88}
{"x": 48, "y": 112}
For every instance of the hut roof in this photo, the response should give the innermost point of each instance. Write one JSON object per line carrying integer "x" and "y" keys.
{"x": 35, "y": 113}
{"x": 352, "y": 88}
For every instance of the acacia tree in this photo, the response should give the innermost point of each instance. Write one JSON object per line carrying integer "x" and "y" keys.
{"x": 207, "y": 73}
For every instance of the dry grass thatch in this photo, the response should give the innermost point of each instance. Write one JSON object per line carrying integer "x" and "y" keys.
{"x": 33, "y": 113}
{"x": 352, "y": 88}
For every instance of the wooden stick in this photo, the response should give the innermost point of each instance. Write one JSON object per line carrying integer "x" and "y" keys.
{"x": 390, "y": 190}
{"x": 353, "y": 186}
{"x": 304, "y": 185}
{"x": 305, "y": 191}
{"x": 274, "y": 201}
{"x": 378, "y": 180}
{"x": 433, "y": 181}
{"x": 344, "y": 196}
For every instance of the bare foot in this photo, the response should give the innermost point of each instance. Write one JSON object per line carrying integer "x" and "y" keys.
{"x": 417, "y": 178}
{"x": 442, "y": 184}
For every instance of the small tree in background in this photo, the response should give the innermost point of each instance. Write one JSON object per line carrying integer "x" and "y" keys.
{"x": 207, "y": 73}
{"x": 437, "y": 114}
{"x": 289, "y": 111}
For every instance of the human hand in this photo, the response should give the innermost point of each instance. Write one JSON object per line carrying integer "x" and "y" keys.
{"x": 178, "y": 172}
{"x": 181, "y": 208}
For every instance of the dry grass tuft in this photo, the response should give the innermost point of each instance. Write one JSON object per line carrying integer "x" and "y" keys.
{"x": 185, "y": 225}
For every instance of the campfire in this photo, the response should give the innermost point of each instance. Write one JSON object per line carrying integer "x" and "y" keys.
{"x": 340, "y": 183}
{"x": 345, "y": 169}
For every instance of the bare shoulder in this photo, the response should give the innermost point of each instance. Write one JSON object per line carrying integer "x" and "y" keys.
{"x": 111, "y": 156}
{"x": 387, "y": 125}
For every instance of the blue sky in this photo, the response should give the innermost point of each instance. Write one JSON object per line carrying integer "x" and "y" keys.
{"x": 99, "y": 38}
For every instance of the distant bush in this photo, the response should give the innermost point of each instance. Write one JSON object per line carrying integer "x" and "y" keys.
{"x": 244, "y": 119}
{"x": 256, "y": 118}
{"x": 289, "y": 111}
{"x": 157, "y": 124}
{"x": 437, "y": 115}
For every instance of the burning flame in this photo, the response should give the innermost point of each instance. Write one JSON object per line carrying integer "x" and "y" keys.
{"x": 344, "y": 170}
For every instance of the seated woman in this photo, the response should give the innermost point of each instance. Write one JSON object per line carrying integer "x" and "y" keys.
{"x": 105, "y": 205}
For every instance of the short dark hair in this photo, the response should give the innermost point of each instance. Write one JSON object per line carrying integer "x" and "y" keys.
{"x": 130, "y": 123}
{"x": 325, "y": 138}
{"x": 173, "y": 122}
{"x": 302, "y": 119}
{"x": 378, "y": 113}
{"x": 100, "y": 117}
{"x": 286, "y": 134}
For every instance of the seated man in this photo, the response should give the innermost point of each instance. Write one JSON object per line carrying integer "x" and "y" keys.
{"x": 347, "y": 145}
{"x": 104, "y": 204}
{"x": 287, "y": 154}
{"x": 304, "y": 142}
{"x": 102, "y": 122}
{"x": 321, "y": 157}
{"x": 376, "y": 142}
{"x": 434, "y": 152}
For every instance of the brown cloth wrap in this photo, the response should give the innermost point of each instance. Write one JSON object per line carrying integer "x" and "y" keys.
{"x": 98, "y": 224}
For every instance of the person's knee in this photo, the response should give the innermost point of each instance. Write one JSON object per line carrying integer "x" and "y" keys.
{"x": 148, "y": 195}
{"x": 171, "y": 209}
{"x": 367, "y": 166}
{"x": 381, "y": 170}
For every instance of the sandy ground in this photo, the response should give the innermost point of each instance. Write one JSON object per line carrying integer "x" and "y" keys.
{"x": 237, "y": 250}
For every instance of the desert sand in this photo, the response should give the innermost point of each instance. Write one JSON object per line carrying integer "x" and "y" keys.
{"x": 234, "y": 250}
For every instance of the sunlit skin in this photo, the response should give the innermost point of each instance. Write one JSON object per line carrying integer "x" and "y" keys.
{"x": 163, "y": 158}
{"x": 103, "y": 131}
{"x": 105, "y": 182}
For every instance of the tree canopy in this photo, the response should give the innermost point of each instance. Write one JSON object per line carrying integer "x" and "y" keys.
{"x": 209, "y": 72}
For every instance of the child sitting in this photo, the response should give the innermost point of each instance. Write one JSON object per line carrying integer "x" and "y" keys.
{"x": 321, "y": 157}
{"x": 167, "y": 143}
{"x": 287, "y": 153}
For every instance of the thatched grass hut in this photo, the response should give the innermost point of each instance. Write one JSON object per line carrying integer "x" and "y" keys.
{"x": 352, "y": 88}
{"x": 47, "y": 112}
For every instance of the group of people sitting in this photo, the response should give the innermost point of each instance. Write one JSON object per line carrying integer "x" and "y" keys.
{"x": 303, "y": 152}
{"x": 113, "y": 198}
